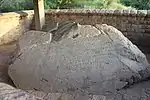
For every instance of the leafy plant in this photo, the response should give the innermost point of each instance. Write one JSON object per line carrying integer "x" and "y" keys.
{"x": 60, "y": 4}
{"x": 15, "y": 5}
{"x": 138, "y": 4}
{"x": 91, "y": 4}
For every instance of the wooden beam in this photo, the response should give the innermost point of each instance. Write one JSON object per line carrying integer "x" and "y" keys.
{"x": 39, "y": 14}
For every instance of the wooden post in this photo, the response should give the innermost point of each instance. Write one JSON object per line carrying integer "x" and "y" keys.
{"x": 39, "y": 14}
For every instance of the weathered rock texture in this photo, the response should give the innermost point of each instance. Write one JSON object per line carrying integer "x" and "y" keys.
{"x": 135, "y": 24}
{"x": 8, "y": 92}
{"x": 138, "y": 92}
{"x": 89, "y": 59}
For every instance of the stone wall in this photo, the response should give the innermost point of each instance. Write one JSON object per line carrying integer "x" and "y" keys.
{"x": 13, "y": 24}
{"x": 135, "y": 24}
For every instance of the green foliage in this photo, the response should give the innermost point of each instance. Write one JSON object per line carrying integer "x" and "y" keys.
{"x": 138, "y": 4}
{"x": 60, "y": 4}
{"x": 15, "y": 5}
{"x": 100, "y": 4}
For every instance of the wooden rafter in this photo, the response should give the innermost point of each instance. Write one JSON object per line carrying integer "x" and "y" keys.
{"x": 39, "y": 14}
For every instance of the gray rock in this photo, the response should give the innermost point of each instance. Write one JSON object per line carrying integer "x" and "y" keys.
{"x": 89, "y": 59}
{"x": 138, "y": 92}
{"x": 8, "y": 92}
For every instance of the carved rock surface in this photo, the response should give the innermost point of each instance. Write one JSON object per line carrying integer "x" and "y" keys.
{"x": 88, "y": 59}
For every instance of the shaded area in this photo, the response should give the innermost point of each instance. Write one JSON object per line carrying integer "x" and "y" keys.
{"x": 7, "y": 53}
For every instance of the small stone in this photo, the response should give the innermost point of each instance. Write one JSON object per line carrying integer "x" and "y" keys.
{"x": 133, "y": 12}
{"x": 118, "y": 12}
{"x": 148, "y": 13}
{"x": 141, "y": 12}
{"x": 98, "y": 97}
{"x": 126, "y": 12}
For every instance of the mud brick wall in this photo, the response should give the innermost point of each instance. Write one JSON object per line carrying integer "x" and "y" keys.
{"x": 135, "y": 24}
{"x": 13, "y": 24}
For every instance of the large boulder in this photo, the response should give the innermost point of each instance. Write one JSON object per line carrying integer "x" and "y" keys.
{"x": 95, "y": 59}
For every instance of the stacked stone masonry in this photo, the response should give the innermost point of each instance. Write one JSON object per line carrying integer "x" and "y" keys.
{"x": 135, "y": 24}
